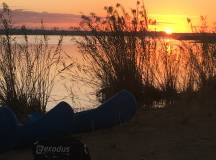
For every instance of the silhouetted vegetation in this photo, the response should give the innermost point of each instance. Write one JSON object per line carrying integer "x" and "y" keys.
{"x": 155, "y": 70}
{"x": 27, "y": 71}
{"x": 201, "y": 65}
{"x": 120, "y": 61}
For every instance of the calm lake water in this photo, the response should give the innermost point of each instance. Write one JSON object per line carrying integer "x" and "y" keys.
{"x": 168, "y": 60}
{"x": 83, "y": 94}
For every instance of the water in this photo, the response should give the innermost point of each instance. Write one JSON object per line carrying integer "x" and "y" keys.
{"x": 83, "y": 95}
{"x": 167, "y": 61}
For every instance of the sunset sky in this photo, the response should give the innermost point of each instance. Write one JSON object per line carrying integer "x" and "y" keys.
{"x": 169, "y": 13}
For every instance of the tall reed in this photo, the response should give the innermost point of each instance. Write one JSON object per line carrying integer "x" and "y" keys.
{"x": 201, "y": 58}
{"x": 27, "y": 71}
{"x": 120, "y": 61}
{"x": 154, "y": 70}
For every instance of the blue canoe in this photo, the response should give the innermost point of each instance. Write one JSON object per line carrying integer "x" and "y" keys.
{"x": 118, "y": 109}
{"x": 56, "y": 122}
{"x": 62, "y": 120}
{"x": 8, "y": 126}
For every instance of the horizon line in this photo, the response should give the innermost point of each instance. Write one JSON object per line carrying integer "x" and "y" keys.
{"x": 154, "y": 34}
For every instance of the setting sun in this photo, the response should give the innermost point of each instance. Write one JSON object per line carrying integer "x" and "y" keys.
{"x": 168, "y": 31}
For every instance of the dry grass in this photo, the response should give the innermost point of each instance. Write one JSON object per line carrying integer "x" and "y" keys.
{"x": 153, "y": 70}
{"x": 27, "y": 71}
{"x": 119, "y": 61}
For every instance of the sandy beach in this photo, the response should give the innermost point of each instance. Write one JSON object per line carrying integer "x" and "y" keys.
{"x": 163, "y": 134}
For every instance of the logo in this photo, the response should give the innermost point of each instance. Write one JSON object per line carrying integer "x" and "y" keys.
{"x": 41, "y": 149}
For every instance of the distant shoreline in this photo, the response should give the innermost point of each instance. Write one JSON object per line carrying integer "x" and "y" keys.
{"x": 176, "y": 36}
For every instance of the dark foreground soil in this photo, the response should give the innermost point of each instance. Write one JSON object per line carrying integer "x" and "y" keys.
{"x": 173, "y": 133}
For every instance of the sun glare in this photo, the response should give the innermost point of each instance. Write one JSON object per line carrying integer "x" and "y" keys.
{"x": 168, "y": 31}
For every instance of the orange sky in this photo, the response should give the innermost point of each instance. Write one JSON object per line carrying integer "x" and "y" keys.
{"x": 172, "y": 14}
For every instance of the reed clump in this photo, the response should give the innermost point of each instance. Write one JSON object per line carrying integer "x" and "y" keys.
{"x": 201, "y": 60}
{"x": 120, "y": 61}
{"x": 27, "y": 71}
{"x": 154, "y": 70}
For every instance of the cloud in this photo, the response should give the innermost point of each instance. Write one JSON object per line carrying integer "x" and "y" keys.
{"x": 23, "y": 17}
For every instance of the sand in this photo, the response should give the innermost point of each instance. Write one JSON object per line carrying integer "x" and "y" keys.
{"x": 162, "y": 134}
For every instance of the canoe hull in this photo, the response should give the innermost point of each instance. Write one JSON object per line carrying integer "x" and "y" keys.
{"x": 62, "y": 120}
